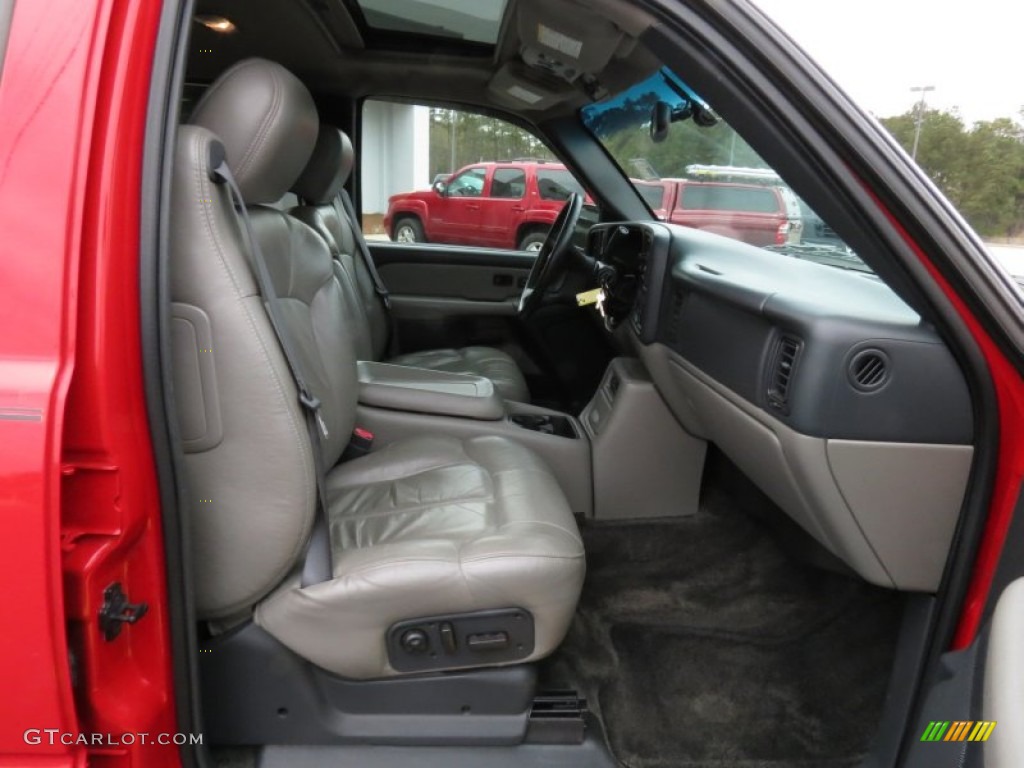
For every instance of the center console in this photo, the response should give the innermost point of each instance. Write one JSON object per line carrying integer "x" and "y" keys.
{"x": 398, "y": 402}
{"x": 644, "y": 464}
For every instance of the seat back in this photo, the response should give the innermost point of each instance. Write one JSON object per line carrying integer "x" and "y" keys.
{"x": 248, "y": 460}
{"x": 320, "y": 187}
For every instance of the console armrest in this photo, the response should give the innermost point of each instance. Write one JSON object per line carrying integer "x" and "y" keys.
{"x": 420, "y": 390}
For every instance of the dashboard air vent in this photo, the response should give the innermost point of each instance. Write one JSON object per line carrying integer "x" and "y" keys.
{"x": 868, "y": 370}
{"x": 780, "y": 375}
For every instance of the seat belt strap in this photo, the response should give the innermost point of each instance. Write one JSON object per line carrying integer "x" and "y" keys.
{"x": 317, "y": 565}
{"x": 371, "y": 267}
{"x": 364, "y": 249}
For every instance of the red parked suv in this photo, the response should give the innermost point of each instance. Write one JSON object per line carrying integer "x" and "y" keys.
{"x": 498, "y": 204}
{"x": 756, "y": 213}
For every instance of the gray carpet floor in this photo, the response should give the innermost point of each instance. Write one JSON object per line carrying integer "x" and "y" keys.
{"x": 701, "y": 644}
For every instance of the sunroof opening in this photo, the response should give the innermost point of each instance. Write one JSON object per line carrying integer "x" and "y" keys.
{"x": 476, "y": 21}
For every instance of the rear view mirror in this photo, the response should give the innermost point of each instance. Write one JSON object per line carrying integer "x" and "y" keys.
{"x": 440, "y": 187}
{"x": 661, "y": 119}
{"x": 704, "y": 116}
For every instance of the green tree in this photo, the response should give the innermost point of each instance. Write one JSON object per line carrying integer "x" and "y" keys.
{"x": 477, "y": 138}
{"x": 980, "y": 168}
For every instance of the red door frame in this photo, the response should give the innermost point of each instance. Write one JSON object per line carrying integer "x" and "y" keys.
{"x": 78, "y": 495}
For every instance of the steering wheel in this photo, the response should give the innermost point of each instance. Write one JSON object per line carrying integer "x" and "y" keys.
{"x": 551, "y": 255}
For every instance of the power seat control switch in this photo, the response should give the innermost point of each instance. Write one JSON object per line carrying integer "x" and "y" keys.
{"x": 460, "y": 640}
{"x": 415, "y": 641}
{"x": 492, "y": 641}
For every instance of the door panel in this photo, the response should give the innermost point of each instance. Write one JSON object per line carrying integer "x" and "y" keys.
{"x": 461, "y": 281}
{"x": 451, "y": 296}
{"x": 455, "y": 218}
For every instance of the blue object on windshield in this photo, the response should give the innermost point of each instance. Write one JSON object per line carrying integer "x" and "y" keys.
{"x": 633, "y": 106}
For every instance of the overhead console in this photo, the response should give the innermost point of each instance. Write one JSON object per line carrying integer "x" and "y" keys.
{"x": 826, "y": 389}
{"x": 554, "y": 53}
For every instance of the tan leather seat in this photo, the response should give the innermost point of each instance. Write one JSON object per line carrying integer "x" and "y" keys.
{"x": 321, "y": 185}
{"x": 432, "y": 526}
{"x": 423, "y": 527}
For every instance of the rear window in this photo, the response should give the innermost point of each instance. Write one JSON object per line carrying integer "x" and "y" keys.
{"x": 508, "y": 182}
{"x": 556, "y": 185}
{"x": 716, "y": 197}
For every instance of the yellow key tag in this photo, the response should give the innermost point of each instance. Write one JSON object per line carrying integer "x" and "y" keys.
{"x": 587, "y": 298}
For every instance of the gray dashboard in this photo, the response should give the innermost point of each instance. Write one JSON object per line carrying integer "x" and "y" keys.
{"x": 820, "y": 383}
{"x": 830, "y": 352}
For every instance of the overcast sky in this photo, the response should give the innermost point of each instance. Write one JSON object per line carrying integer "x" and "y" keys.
{"x": 877, "y": 49}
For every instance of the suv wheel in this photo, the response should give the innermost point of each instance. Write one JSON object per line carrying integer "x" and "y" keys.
{"x": 409, "y": 230}
{"x": 533, "y": 241}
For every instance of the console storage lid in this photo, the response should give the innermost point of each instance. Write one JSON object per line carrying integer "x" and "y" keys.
{"x": 419, "y": 390}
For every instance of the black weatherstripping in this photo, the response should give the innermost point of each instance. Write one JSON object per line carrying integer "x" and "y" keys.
{"x": 162, "y": 116}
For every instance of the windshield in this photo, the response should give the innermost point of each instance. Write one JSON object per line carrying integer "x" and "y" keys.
{"x": 691, "y": 168}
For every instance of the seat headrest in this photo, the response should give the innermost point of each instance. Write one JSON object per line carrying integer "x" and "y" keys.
{"x": 268, "y": 124}
{"x": 328, "y": 168}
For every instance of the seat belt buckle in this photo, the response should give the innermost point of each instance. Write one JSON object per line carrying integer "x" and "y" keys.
{"x": 360, "y": 444}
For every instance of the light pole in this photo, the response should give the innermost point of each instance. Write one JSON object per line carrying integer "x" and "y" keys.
{"x": 451, "y": 131}
{"x": 919, "y": 117}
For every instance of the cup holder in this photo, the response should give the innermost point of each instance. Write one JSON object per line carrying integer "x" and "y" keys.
{"x": 544, "y": 423}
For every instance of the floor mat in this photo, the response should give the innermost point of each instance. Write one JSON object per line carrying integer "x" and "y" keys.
{"x": 701, "y": 644}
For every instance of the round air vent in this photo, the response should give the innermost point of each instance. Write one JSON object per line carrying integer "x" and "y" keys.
{"x": 869, "y": 370}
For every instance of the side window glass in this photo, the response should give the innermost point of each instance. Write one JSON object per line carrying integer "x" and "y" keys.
{"x": 469, "y": 183}
{"x": 439, "y": 177}
{"x": 555, "y": 184}
{"x": 508, "y": 183}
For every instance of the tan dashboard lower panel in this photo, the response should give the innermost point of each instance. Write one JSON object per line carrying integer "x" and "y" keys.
{"x": 888, "y": 510}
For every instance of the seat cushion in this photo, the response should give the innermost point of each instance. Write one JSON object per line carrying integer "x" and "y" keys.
{"x": 488, "y": 362}
{"x": 432, "y": 526}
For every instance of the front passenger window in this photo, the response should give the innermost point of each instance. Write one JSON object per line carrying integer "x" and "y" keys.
{"x": 468, "y": 183}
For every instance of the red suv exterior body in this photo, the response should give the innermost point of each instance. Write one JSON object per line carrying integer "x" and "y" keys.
{"x": 754, "y": 213}
{"x": 499, "y": 205}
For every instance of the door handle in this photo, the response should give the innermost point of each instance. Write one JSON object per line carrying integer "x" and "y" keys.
{"x": 472, "y": 207}
{"x": 517, "y": 209}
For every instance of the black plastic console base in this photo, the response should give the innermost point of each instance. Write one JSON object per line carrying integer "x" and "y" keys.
{"x": 558, "y": 717}
{"x": 590, "y": 753}
{"x": 256, "y": 691}
{"x": 546, "y": 423}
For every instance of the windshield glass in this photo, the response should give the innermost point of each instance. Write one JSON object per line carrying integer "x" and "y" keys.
{"x": 693, "y": 169}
